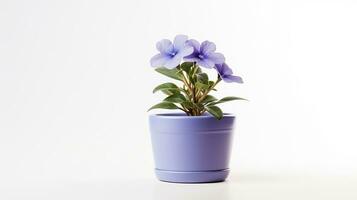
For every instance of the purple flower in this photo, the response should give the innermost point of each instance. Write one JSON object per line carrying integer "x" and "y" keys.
{"x": 204, "y": 54}
{"x": 226, "y": 73}
{"x": 171, "y": 54}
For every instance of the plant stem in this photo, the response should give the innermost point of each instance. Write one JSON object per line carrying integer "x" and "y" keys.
{"x": 196, "y": 111}
{"x": 187, "y": 87}
{"x": 202, "y": 111}
{"x": 194, "y": 89}
{"x": 207, "y": 91}
{"x": 186, "y": 82}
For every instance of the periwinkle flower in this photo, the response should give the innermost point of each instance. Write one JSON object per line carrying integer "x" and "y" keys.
{"x": 171, "y": 54}
{"x": 226, "y": 73}
{"x": 204, "y": 54}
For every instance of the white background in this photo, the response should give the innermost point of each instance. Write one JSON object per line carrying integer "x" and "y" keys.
{"x": 75, "y": 84}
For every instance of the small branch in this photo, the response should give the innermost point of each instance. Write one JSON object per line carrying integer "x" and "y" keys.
{"x": 202, "y": 111}
{"x": 184, "y": 109}
{"x": 186, "y": 82}
{"x": 208, "y": 90}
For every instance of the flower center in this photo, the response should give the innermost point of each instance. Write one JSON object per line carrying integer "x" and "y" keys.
{"x": 173, "y": 53}
{"x": 201, "y": 56}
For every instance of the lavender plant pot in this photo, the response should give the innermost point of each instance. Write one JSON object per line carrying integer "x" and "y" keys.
{"x": 191, "y": 149}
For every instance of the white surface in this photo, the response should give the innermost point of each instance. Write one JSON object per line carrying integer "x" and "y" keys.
{"x": 246, "y": 186}
{"x": 75, "y": 84}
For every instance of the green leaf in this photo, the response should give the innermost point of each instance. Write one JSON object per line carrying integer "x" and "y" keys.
{"x": 187, "y": 104}
{"x": 211, "y": 83}
{"x": 175, "y": 98}
{"x": 201, "y": 86}
{"x": 186, "y": 66}
{"x": 195, "y": 70}
{"x": 203, "y": 78}
{"x": 215, "y": 111}
{"x": 198, "y": 106}
{"x": 208, "y": 99}
{"x": 165, "y": 86}
{"x": 172, "y": 73}
{"x": 225, "y": 99}
{"x": 191, "y": 105}
{"x": 164, "y": 105}
{"x": 170, "y": 91}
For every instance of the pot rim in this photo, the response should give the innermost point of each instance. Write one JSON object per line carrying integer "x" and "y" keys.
{"x": 184, "y": 116}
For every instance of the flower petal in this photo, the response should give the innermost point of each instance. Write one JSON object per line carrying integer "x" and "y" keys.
{"x": 159, "y": 60}
{"x": 232, "y": 78}
{"x": 219, "y": 69}
{"x": 164, "y": 46}
{"x": 180, "y": 41}
{"x": 195, "y": 44}
{"x": 207, "y": 63}
{"x": 217, "y": 58}
{"x": 185, "y": 51}
{"x": 226, "y": 70}
{"x": 173, "y": 62}
{"x": 207, "y": 47}
{"x": 223, "y": 69}
{"x": 192, "y": 58}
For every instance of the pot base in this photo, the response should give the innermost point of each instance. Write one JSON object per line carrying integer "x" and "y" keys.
{"x": 192, "y": 177}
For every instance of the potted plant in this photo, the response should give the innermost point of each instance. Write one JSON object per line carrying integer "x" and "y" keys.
{"x": 192, "y": 146}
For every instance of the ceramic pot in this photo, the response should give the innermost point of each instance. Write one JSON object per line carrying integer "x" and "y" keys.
{"x": 191, "y": 149}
